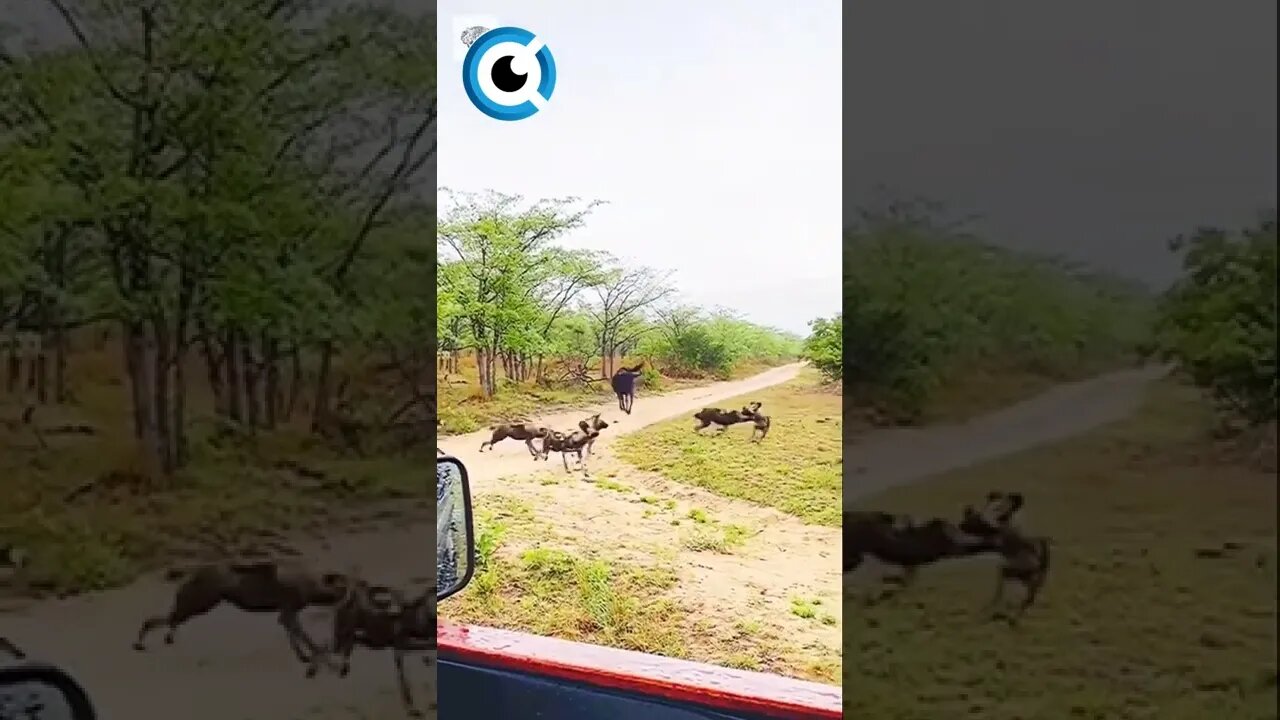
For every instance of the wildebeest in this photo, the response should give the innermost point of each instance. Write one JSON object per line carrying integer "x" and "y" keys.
{"x": 579, "y": 441}
{"x": 624, "y": 386}
{"x": 256, "y": 586}
{"x": 380, "y": 617}
{"x": 725, "y": 418}
{"x": 898, "y": 540}
{"x": 528, "y": 432}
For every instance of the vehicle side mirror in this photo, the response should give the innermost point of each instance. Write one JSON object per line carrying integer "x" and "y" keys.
{"x": 42, "y": 691}
{"x": 455, "y": 538}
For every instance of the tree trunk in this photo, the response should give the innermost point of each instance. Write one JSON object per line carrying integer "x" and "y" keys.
{"x": 163, "y": 362}
{"x": 324, "y": 387}
{"x": 251, "y": 375}
{"x": 295, "y": 381}
{"x": 271, "y": 369}
{"x": 231, "y": 356}
{"x": 133, "y": 341}
{"x": 60, "y": 362}
{"x": 15, "y": 360}
{"x": 213, "y": 367}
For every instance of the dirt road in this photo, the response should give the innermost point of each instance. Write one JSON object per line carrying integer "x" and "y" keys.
{"x": 883, "y": 459}
{"x": 234, "y": 666}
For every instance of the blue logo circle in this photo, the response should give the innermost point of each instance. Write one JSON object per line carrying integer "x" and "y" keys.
{"x": 496, "y": 73}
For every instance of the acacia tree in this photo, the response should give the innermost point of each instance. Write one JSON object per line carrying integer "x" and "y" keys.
{"x": 499, "y": 264}
{"x": 619, "y": 312}
{"x": 227, "y": 164}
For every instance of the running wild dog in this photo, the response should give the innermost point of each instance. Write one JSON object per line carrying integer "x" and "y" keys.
{"x": 624, "y": 386}
{"x": 725, "y": 418}
{"x": 578, "y": 442}
{"x": 379, "y": 618}
{"x": 760, "y": 424}
{"x": 281, "y": 587}
{"x": 1023, "y": 558}
{"x": 898, "y": 540}
{"x": 527, "y": 432}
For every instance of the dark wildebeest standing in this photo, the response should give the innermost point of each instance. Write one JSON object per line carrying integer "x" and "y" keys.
{"x": 624, "y": 386}
{"x": 282, "y": 587}
{"x": 379, "y": 617}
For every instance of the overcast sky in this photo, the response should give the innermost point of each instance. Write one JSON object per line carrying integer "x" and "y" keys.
{"x": 1093, "y": 128}
{"x": 711, "y": 127}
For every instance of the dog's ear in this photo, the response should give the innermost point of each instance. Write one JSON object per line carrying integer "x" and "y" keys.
{"x": 1015, "y": 502}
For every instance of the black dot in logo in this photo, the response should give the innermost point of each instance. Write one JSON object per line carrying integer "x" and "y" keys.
{"x": 504, "y": 78}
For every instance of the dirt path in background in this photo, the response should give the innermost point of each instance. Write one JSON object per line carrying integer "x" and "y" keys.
{"x": 883, "y": 459}
{"x": 236, "y": 666}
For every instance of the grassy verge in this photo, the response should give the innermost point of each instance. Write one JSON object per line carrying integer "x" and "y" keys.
{"x": 462, "y": 410}
{"x": 1161, "y": 602}
{"x": 796, "y": 469}
{"x": 529, "y": 579}
{"x": 233, "y": 498}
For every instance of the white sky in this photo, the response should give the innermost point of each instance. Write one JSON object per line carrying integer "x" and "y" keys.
{"x": 713, "y": 128}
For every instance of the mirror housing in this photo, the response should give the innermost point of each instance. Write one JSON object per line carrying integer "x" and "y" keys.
{"x": 28, "y": 686}
{"x": 455, "y": 534}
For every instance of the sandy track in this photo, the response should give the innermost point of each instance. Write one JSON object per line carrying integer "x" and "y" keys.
{"x": 886, "y": 458}
{"x": 235, "y": 666}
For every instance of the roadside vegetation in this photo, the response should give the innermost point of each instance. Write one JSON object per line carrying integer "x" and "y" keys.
{"x": 214, "y": 278}
{"x": 542, "y": 325}
{"x": 531, "y": 578}
{"x": 944, "y": 325}
{"x": 1161, "y": 599}
{"x": 796, "y": 469}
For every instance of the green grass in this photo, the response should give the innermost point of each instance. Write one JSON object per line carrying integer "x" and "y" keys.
{"x": 527, "y": 579}
{"x": 796, "y": 469}
{"x": 1143, "y": 615}
{"x": 231, "y": 499}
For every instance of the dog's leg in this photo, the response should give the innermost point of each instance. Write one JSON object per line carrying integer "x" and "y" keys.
{"x": 564, "y": 458}
{"x": 189, "y": 602}
{"x": 397, "y": 654}
{"x": 483, "y": 444}
{"x": 12, "y": 649}
{"x": 532, "y": 451}
{"x": 298, "y": 637}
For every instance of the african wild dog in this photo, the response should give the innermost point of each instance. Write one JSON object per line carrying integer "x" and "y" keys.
{"x": 528, "y": 432}
{"x": 282, "y": 587}
{"x": 725, "y": 418}
{"x": 579, "y": 442}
